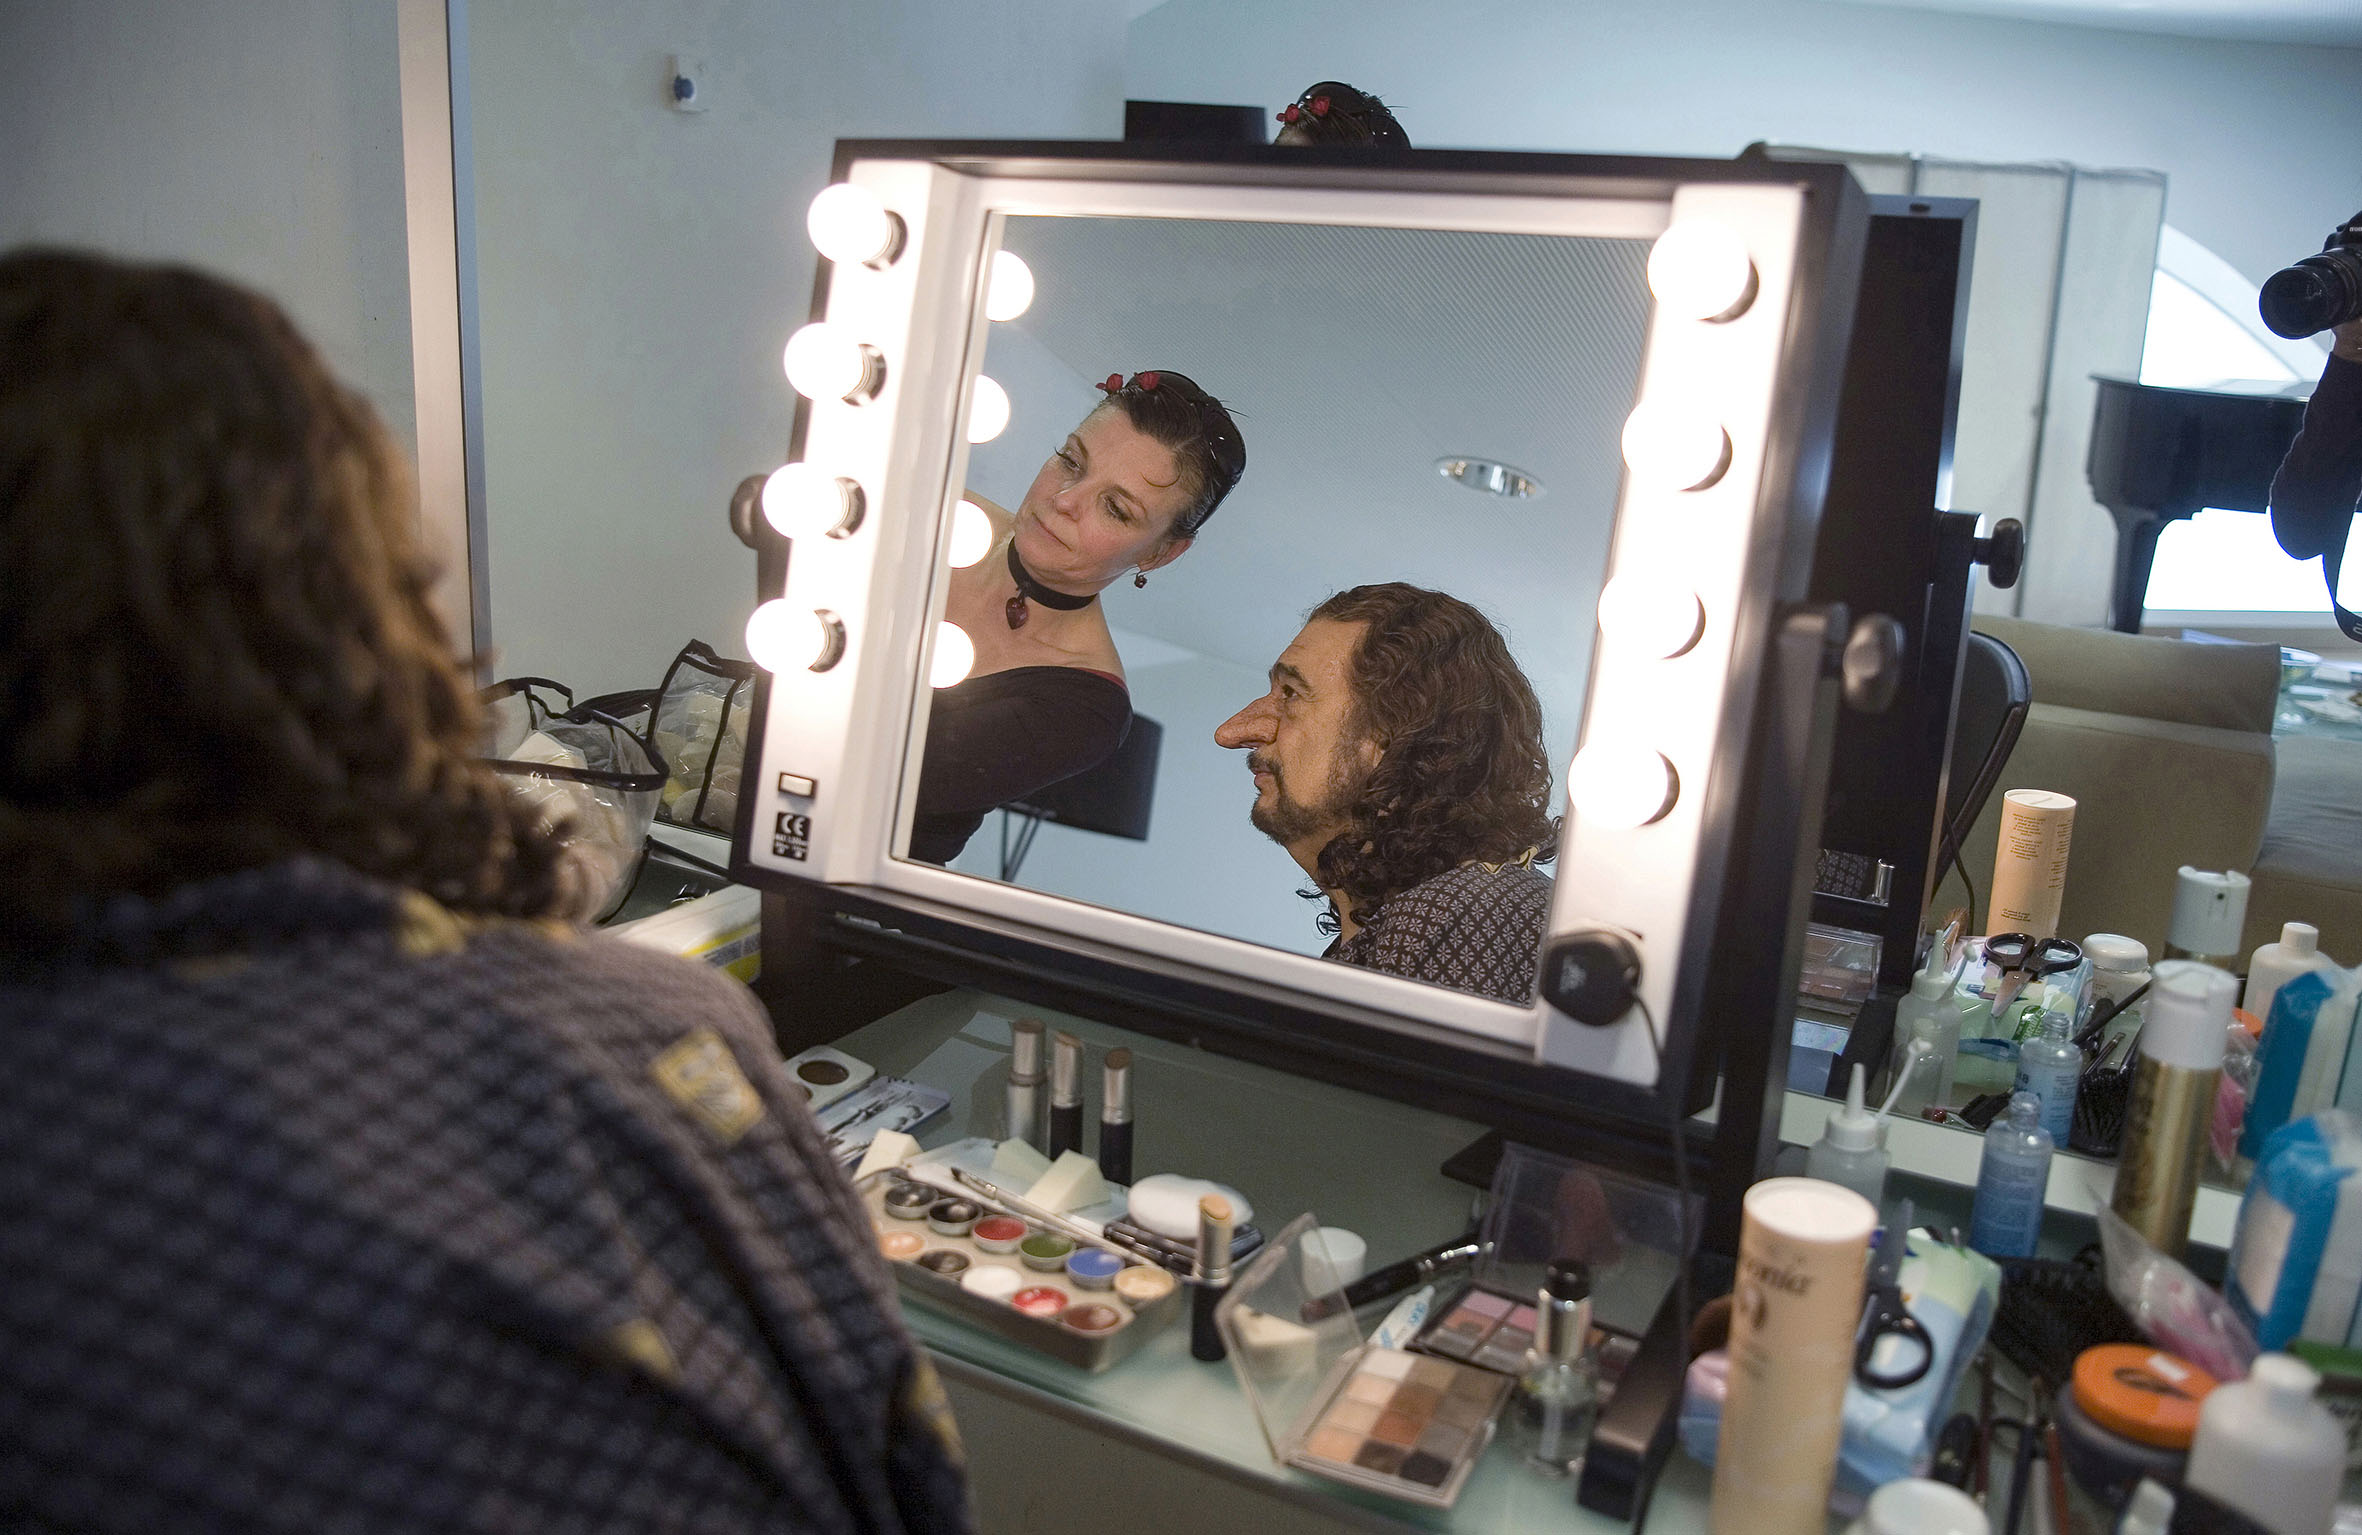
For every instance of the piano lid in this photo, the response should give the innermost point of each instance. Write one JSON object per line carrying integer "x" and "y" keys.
{"x": 2164, "y": 452}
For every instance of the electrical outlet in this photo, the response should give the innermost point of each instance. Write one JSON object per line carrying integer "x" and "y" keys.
{"x": 685, "y": 83}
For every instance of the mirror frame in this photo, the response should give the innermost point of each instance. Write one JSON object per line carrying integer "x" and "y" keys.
{"x": 1744, "y": 544}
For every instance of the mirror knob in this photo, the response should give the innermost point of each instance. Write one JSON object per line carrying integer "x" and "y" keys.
{"x": 1872, "y": 667}
{"x": 2004, "y": 554}
{"x": 746, "y": 508}
{"x": 1592, "y": 977}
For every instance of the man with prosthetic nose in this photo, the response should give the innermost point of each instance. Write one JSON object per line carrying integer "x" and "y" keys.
{"x": 1398, "y": 758}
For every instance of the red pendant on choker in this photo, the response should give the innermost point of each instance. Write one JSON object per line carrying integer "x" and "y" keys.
{"x": 1028, "y": 588}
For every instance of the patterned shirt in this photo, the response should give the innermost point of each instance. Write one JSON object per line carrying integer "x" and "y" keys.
{"x": 322, "y": 1209}
{"x": 1473, "y": 928}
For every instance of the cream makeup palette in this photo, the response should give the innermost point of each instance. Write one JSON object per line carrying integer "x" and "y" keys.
{"x": 1409, "y": 1425}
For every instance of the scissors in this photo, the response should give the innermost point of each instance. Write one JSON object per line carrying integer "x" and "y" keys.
{"x": 1884, "y": 1316}
{"x": 2027, "y": 958}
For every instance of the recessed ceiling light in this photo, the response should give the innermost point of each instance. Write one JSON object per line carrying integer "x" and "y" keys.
{"x": 1492, "y": 478}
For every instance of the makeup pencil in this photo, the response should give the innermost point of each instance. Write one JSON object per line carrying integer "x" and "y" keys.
{"x": 1211, "y": 1278}
{"x": 1115, "y": 1118}
{"x": 1066, "y": 1095}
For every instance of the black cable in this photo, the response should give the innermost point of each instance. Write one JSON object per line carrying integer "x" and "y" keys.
{"x": 1673, "y": 1118}
{"x": 1951, "y": 851}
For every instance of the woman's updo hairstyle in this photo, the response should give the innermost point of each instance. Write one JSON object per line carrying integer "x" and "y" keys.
{"x": 1172, "y": 409}
{"x": 1332, "y": 112}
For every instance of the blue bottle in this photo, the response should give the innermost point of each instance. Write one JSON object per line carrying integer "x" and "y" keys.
{"x": 2051, "y": 1068}
{"x": 2007, "y": 1218}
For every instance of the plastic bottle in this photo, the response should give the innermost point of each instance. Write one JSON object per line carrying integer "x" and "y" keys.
{"x": 2050, "y": 1067}
{"x": 1932, "y": 1012}
{"x": 2007, "y": 1217}
{"x": 1558, "y": 1395}
{"x": 2174, "y": 1084}
{"x": 2267, "y": 1449}
{"x": 1919, "y": 1071}
{"x": 2276, "y": 964}
{"x": 1852, "y": 1149}
{"x": 2149, "y": 1512}
{"x": 2209, "y": 909}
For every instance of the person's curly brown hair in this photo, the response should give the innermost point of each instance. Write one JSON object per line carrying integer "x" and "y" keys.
{"x": 1462, "y": 775}
{"x": 216, "y": 645}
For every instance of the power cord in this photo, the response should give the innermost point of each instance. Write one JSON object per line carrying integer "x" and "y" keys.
{"x": 1673, "y": 1118}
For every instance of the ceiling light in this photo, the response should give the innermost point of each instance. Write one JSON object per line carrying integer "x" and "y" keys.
{"x": 1009, "y": 291}
{"x": 1700, "y": 270}
{"x": 1492, "y": 478}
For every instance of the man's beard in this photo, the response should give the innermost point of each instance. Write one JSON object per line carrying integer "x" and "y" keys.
{"x": 1288, "y": 820}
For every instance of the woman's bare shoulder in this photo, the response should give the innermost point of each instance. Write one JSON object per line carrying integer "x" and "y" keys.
{"x": 1002, "y": 518}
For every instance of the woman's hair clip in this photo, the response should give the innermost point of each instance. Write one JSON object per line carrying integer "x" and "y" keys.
{"x": 1114, "y": 382}
{"x": 1289, "y": 113}
{"x": 1147, "y": 380}
{"x": 1320, "y": 106}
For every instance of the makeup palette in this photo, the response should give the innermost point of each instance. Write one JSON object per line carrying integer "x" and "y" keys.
{"x": 1489, "y": 1330}
{"x": 1409, "y": 1425}
{"x": 1086, "y": 1305}
{"x": 827, "y": 1073}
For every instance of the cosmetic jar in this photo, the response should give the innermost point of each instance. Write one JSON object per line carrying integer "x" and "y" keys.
{"x": 946, "y": 1262}
{"x": 1041, "y": 1301}
{"x": 2130, "y": 1411}
{"x": 999, "y": 1233}
{"x": 952, "y": 1217}
{"x": 902, "y": 1246}
{"x": 1092, "y": 1268}
{"x": 1141, "y": 1284}
{"x": 1091, "y": 1317}
{"x": 992, "y": 1281}
{"x": 910, "y": 1201}
{"x": 1045, "y": 1251}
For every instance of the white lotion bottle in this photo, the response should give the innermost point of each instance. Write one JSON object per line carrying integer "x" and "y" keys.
{"x": 2268, "y": 1449}
{"x": 1851, "y": 1152}
{"x": 2274, "y": 965}
{"x": 1932, "y": 1013}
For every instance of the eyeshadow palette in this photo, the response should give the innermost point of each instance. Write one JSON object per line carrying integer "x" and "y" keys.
{"x": 1494, "y": 1332}
{"x": 1085, "y": 1305}
{"x": 826, "y": 1074}
{"x": 1411, "y": 1426}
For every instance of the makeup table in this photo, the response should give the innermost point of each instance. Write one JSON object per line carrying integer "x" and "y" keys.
{"x": 1161, "y": 1440}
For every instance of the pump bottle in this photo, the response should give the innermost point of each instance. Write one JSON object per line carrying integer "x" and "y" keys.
{"x": 2274, "y": 965}
{"x": 1852, "y": 1149}
{"x": 2006, "y": 1220}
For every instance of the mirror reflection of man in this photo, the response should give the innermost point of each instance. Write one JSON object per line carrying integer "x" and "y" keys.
{"x": 1398, "y": 758}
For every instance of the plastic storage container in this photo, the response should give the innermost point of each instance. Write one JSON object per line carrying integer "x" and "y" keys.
{"x": 2295, "y": 1268}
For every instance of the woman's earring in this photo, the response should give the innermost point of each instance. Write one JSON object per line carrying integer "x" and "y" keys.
{"x": 1139, "y": 578}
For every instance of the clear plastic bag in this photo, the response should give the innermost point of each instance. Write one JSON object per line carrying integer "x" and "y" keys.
{"x": 581, "y": 768}
{"x": 700, "y": 726}
{"x": 2174, "y": 1308}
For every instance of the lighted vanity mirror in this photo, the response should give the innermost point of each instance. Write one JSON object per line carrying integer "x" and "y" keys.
{"x": 1632, "y": 339}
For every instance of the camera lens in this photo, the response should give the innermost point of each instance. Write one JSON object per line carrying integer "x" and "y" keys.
{"x": 2316, "y": 293}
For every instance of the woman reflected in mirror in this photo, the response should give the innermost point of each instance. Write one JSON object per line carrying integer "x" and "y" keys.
{"x": 1123, "y": 495}
{"x": 1332, "y": 112}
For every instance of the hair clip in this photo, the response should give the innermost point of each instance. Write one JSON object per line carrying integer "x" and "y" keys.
{"x": 1288, "y": 113}
{"x": 1114, "y": 384}
{"x": 1320, "y": 106}
{"x": 1148, "y": 380}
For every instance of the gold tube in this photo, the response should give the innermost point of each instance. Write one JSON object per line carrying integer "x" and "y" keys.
{"x": 2164, "y": 1147}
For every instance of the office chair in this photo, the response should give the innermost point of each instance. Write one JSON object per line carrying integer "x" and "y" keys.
{"x": 1995, "y": 694}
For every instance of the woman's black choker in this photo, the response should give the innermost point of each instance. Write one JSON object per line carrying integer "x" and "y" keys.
{"x": 1027, "y": 586}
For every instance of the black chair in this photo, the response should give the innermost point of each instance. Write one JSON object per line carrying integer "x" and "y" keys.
{"x": 1112, "y": 798}
{"x": 1995, "y": 694}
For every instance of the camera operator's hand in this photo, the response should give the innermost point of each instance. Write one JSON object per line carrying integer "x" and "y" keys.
{"x": 2346, "y": 341}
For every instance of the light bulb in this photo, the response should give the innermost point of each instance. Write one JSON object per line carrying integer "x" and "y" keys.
{"x": 782, "y": 636}
{"x": 971, "y": 534}
{"x": 826, "y": 362}
{"x": 988, "y": 411}
{"x": 955, "y": 653}
{"x": 1675, "y": 447}
{"x": 850, "y": 226}
{"x": 805, "y": 502}
{"x": 1652, "y": 617}
{"x": 1700, "y": 270}
{"x": 1621, "y": 786}
{"x": 1008, "y": 293}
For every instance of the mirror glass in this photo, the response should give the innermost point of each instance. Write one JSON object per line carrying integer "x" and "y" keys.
{"x": 1353, "y": 361}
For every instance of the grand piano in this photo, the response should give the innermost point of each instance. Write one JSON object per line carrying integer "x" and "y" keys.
{"x": 2159, "y": 455}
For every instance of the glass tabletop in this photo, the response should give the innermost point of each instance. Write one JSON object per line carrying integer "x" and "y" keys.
{"x": 1292, "y": 1146}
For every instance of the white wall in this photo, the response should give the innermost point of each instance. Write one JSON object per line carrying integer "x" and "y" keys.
{"x": 639, "y": 269}
{"x": 261, "y": 139}
{"x": 2260, "y": 140}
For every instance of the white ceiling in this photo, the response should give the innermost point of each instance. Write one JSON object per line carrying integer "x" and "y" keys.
{"x": 1353, "y": 359}
{"x": 2330, "y": 23}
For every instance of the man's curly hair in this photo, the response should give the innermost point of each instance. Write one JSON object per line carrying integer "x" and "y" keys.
{"x": 1462, "y": 775}
{"x": 216, "y": 645}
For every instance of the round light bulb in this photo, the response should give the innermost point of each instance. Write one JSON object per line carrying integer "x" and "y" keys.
{"x": 1651, "y": 617}
{"x": 805, "y": 502}
{"x": 826, "y": 362}
{"x": 988, "y": 411}
{"x": 1009, "y": 291}
{"x": 782, "y": 636}
{"x": 1700, "y": 270}
{"x": 1675, "y": 447}
{"x": 1621, "y": 786}
{"x": 955, "y": 653}
{"x": 850, "y": 226}
{"x": 971, "y": 534}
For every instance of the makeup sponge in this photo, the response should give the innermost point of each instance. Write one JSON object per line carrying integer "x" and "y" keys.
{"x": 1166, "y": 1203}
{"x": 889, "y": 1148}
{"x": 1017, "y": 1164}
{"x": 1072, "y": 1183}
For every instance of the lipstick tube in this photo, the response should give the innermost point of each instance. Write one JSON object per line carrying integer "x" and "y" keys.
{"x": 1066, "y": 1095}
{"x": 1025, "y": 1081}
{"x": 1115, "y": 1117}
{"x": 1211, "y": 1278}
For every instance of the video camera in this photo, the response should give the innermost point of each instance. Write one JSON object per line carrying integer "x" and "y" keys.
{"x": 2320, "y": 291}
